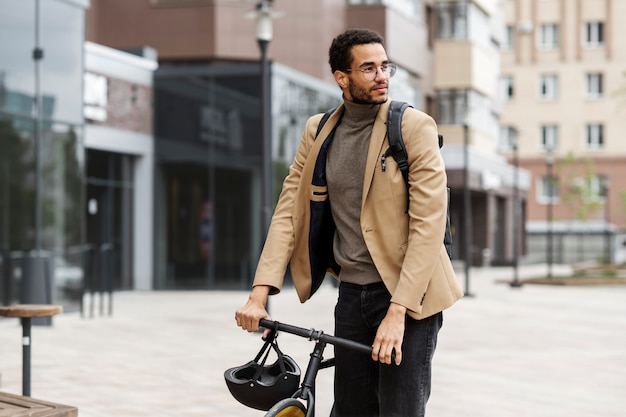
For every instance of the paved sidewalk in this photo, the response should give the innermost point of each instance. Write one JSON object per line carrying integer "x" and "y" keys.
{"x": 541, "y": 351}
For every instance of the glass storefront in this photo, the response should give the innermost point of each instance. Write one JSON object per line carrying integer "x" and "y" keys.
{"x": 41, "y": 156}
{"x": 209, "y": 167}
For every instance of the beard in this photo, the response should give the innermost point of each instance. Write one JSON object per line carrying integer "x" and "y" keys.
{"x": 362, "y": 96}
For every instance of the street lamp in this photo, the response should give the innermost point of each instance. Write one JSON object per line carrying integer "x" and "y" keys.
{"x": 467, "y": 208}
{"x": 263, "y": 15}
{"x": 516, "y": 210}
{"x": 37, "y": 57}
{"x": 607, "y": 221}
{"x": 549, "y": 192}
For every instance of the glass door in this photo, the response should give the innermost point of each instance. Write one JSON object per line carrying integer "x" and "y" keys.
{"x": 109, "y": 221}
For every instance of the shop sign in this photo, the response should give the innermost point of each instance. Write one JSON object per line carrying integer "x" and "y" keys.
{"x": 95, "y": 97}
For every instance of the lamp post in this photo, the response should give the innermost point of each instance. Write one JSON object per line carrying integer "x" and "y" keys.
{"x": 607, "y": 221}
{"x": 467, "y": 208}
{"x": 37, "y": 57}
{"x": 550, "y": 192}
{"x": 263, "y": 15}
{"x": 516, "y": 212}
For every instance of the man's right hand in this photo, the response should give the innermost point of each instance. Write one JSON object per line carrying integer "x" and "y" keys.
{"x": 248, "y": 316}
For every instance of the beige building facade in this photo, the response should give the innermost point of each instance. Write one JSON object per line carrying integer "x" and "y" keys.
{"x": 563, "y": 84}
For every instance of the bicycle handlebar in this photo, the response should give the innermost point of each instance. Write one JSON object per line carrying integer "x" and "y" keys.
{"x": 313, "y": 334}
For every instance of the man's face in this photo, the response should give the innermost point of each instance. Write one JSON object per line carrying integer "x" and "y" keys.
{"x": 359, "y": 89}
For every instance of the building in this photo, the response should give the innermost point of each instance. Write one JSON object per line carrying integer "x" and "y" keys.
{"x": 76, "y": 152}
{"x": 564, "y": 88}
{"x": 488, "y": 194}
{"x": 41, "y": 145}
{"x": 119, "y": 167}
{"x": 208, "y": 154}
{"x": 164, "y": 154}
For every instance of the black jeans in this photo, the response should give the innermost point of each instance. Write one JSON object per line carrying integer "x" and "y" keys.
{"x": 364, "y": 388}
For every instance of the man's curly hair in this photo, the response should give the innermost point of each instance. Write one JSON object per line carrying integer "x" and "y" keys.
{"x": 340, "y": 52}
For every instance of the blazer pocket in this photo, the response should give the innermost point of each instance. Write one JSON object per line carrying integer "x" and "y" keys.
{"x": 319, "y": 193}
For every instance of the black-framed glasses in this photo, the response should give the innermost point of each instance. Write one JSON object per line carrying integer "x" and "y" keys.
{"x": 371, "y": 71}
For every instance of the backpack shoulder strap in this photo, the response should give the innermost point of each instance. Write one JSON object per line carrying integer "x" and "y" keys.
{"x": 324, "y": 120}
{"x": 394, "y": 136}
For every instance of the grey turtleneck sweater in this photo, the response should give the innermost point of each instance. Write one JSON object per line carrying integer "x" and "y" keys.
{"x": 345, "y": 167}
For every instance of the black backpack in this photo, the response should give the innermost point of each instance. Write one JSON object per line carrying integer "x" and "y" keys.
{"x": 398, "y": 151}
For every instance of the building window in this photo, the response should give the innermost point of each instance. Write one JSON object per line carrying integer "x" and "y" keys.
{"x": 549, "y": 36}
{"x": 594, "y": 85}
{"x": 431, "y": 22}
{"x": 594, "y": 34}
{"x": 548, "y": 190}
{"x": 591, "y": 188}
{"x": 508, "y": 138}
{"x": 598, "y": 188}
{"x": 549, "y": 87}
{"x": 405, "y": 86}
{"x": 451, "y": 106}
{"x": 549, "y": 137}
{"x": 408, "y": 8}
{"x": 509, "y": 38}
{"x": 595, "y": 136}
{"x": 507, "y": 90}
{"x": 452, "y": 20}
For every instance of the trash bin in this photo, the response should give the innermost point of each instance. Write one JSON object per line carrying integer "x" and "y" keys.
{"x": 36, "y": 283}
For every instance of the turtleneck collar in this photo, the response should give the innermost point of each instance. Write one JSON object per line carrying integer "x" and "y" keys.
{"x": 357, "y": 111}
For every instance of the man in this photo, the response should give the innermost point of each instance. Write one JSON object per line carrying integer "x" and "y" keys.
{"x": 341, "y": 211}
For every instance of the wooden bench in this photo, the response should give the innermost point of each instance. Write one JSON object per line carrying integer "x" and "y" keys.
{"x": 26, "y": 312}
{"x": 18, "y": 406}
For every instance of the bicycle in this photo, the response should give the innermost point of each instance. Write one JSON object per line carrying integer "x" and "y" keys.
{"x": 294, "y": 406}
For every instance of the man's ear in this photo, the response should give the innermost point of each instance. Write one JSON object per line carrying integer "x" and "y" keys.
{"x": 341, "y": 78}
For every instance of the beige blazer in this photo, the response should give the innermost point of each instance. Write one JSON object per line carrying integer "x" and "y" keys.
{"x": 407, "y": 248}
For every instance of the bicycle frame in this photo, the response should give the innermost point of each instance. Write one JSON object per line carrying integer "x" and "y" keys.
{"x": 316, "y": 362}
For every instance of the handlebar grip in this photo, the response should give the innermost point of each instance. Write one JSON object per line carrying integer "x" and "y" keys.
{"x": 267, "y": 324}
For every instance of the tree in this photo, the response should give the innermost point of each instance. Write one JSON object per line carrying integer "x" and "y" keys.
{"x": 579, "y": 192}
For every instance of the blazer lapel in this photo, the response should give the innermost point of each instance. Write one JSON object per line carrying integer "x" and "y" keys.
{"x": 379, "y": 133}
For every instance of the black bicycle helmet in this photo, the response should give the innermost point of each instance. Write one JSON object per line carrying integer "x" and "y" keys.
{"x": 258, "y": 386}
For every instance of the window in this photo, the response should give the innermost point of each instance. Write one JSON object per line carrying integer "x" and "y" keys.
{"x": 591, "y": 189}
{"x": 548, "y": 190}
{"x": 508, "y": 138}
{"x": 598, "y": 187}
{"x": 595, "y": 136}
{"x": 406, "y": 86}
{"x": 594, "y": 34}
{"x": 408, "y": 8}
{"x": 549, "y": 36}
{"x": 452, "y": 20}
{"x": 431, "y": 22}
{"x": 452, "y": 105}
{"x": 549, "y": 136}
{"x": 549, "y": 87}
{"x": 509, "y": 38}
{"x": 594, "y": 85}
{"x": 506, "y": 87}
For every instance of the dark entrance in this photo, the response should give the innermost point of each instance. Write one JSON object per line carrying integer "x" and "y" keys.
{"x": 109, "y": 237}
